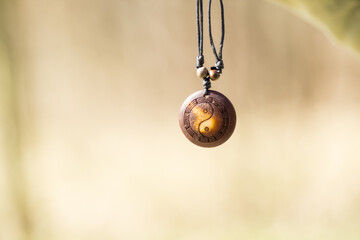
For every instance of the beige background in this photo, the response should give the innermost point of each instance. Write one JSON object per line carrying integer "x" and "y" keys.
{"x": 90, "y": 143}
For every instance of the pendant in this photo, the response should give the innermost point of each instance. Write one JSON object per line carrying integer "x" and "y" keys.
{"x": 207, "y": 121}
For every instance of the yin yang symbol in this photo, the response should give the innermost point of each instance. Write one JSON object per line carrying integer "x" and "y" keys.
{"x": 207, "y": 121}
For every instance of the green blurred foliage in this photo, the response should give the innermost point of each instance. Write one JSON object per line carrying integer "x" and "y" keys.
{"x": 339, "y": 17}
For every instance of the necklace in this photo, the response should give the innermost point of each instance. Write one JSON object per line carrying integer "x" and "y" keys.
{"x": 207, "y": 118}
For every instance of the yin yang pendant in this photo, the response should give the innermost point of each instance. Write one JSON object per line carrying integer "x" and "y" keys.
{"x": 207, "y": 120}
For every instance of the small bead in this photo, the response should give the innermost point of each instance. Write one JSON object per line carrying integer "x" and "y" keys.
{"x": 214, "y": 75}
{"x": 202, "y": 72}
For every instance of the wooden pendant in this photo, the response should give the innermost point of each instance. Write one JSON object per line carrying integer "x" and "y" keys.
{"x": 207, "y": 121}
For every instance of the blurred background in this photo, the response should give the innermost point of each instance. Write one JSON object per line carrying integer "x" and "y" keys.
{"x": 90, "y": 146}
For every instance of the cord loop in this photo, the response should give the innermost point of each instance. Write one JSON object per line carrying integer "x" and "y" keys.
{"x": 217, "y": 56}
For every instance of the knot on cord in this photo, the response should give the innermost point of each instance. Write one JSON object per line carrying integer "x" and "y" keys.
{"x": 219, "y": 65}
{"x": 200, "y": 61}
{"x": 206, "y": 85}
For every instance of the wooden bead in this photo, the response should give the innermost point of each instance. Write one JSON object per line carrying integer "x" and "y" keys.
{"x": 202, "y": 72}
{"x": 214, "y": 75}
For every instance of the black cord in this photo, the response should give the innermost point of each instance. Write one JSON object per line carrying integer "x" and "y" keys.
{"x": 219, "y": 65}
{"x": 200, "y": 32}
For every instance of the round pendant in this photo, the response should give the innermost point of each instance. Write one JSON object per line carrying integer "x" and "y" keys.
{"x": 207, "y": 121}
